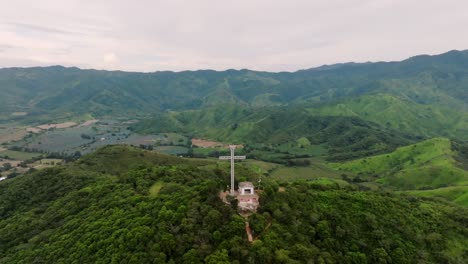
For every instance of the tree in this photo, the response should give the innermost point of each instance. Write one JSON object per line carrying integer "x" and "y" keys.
{"x": 7, "y": 166}
{"x": 218, "y": 257}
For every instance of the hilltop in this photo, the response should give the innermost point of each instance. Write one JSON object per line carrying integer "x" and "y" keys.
{"x": 124, "y": 204}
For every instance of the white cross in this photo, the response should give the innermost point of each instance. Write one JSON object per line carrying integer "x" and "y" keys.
{"x": 232, "y": 158}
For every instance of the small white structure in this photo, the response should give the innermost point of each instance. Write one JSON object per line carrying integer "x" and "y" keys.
{"x": 246, "y": 188}
{"x": 247, "y": 198}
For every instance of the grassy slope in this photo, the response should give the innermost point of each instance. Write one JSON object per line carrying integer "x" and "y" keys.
{"x": 457, "y": 194}
{"x": 316, "y": 170}
{"x": 446, "y": 118}
{"x": 429, "y": 164}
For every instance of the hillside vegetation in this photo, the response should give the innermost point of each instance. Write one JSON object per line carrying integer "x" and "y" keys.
{"x": 277, "y": 128}
{"x": 405, "y": 114}
{"x": 430, "y": 164}
{"x": 125, "y": 205}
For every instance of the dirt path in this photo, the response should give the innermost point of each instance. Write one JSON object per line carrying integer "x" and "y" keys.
{"x": 248, "y": 231}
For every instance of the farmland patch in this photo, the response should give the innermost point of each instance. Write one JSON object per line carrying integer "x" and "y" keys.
{"x": 19, "y": 113}
{"x": 12, "y": 133}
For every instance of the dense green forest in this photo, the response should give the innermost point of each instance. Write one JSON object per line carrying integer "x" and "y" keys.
{"x": 126, "y": 205}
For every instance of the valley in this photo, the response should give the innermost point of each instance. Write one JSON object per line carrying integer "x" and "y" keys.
{"x": 428, "y": 168}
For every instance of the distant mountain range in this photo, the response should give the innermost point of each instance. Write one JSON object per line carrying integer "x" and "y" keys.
{"x": 424, "y": 95}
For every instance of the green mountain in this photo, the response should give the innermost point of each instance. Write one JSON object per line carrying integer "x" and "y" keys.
{"x": 423, "y": 95}
{"x": 125, "y": 205}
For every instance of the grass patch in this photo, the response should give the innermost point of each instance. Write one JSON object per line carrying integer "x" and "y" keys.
{"x": 426, "y": 169}
{"x": 261, "y": 166}
{"x": 426, "y": 165}
{"x": 329, "y": 181}
{"x": 48, "y": 161}
{"x": 155, "y": 188}
{"x": 11, "y": 133}
{"x": 172, "y": 150}
{"x": 19, "y": 155}
{"x": 302, "y": 148}
{"x": 316, "y": 170}
{"x": 457, "y": 194}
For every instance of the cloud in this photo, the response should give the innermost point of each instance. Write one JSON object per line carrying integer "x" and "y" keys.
{"x": 263, "y": 34}
{"x": 110, "y": 58}
{"x": 4, "y": 47}
{"x": 41, "y": 29}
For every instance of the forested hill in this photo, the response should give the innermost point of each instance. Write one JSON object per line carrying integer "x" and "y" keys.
{"x": 126, "y": 205}
{"x": 433, "y": 85}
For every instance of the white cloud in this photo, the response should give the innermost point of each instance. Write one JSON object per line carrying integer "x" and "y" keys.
{"x": 110, "y": 58}
{"x": 263, "y": 34}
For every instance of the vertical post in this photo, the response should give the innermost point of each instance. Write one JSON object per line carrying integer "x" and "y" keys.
{"x": 232, "y": 148}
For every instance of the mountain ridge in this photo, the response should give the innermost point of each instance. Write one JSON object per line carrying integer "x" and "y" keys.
{"x": 321, "y": 67}
{"x": 103, "y": 92}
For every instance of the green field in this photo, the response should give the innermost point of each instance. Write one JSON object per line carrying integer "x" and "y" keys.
{"x": 261, "y": 166}
{"x": 314, "y": 171}
{"x": 207, "y": 151}
{"x": 274, "y": 171}
{"x": 18, "y": 155}
{"x": 428, "y": 168}
{"x": 457, "y": 194}
{"x": 11, "y": 132}
{"x": 303, "y": 147}
{"x": 86, "y": 139}
{"x": 173, "y": 150}
{"x": 155, "y": 188}
{"x": 428, "y": 164}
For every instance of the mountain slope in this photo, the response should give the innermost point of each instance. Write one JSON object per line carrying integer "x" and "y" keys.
{"x": 430, "y": 164}
{"x": 434, "y": 85}
{"x": 158, "y": 209}
{"x": 412, "y": 115}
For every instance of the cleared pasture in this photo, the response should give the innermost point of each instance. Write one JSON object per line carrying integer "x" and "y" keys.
{"x": 316, "y": 170}
{"x": 19, "y": 155}
{"x": 11, "y": 133}
{"x": 172, "y": 150}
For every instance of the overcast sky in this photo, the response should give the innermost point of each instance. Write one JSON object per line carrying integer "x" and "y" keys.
{"x": 273, "y": 35}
